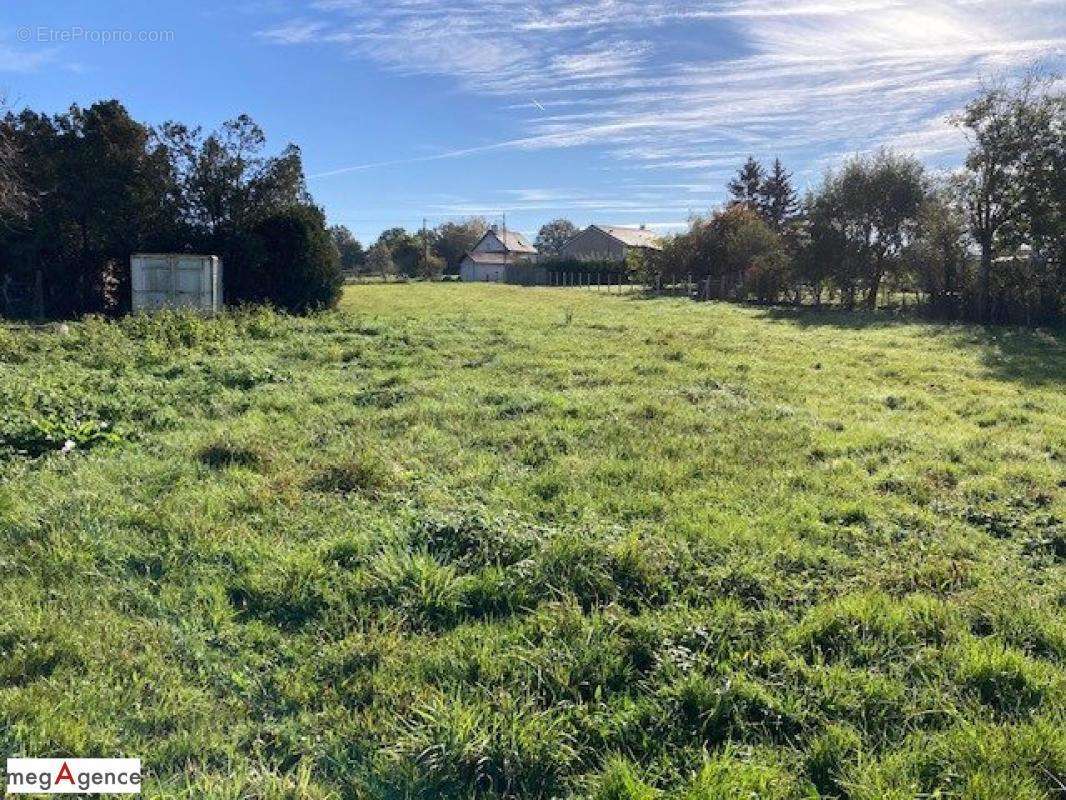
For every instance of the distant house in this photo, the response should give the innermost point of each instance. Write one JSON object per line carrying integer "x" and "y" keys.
{"x": 496, "y": 252}
{"x": 609, "y": 243}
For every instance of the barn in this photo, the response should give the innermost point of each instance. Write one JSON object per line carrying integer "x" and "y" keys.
{"x": 608, "y": 243}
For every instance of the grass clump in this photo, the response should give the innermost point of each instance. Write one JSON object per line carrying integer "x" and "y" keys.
{"x": 226, "y": 452}
{"x": 1003, "y": 679}
{"x": 454, "y": 747}
{"x": 364, "y": 472}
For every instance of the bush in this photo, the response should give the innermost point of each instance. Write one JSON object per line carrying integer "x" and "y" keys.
{"x": 287, "y": 260}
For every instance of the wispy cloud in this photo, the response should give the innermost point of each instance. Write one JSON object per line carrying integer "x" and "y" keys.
{"x": 20, "y": 60}
{"x": 602, "y": 60}
{"x": 811, "y": 79}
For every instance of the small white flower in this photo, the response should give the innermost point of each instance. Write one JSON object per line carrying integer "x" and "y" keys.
{"x": 68, "y": 445}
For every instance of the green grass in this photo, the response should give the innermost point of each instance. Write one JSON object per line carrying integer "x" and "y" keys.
{"x": 458, "y": 540}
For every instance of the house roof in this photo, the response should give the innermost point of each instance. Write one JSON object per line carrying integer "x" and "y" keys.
{"x": 631, "y": 237}
{"x": 514, "y": 241}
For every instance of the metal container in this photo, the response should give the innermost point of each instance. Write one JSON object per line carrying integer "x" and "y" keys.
{"x": 176, "y": 280}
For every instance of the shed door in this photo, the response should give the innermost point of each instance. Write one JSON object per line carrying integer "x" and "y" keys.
{"x": 190, "y": 287}
{"x": 155, "y": 281}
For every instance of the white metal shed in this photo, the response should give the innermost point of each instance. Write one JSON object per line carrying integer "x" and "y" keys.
{"x": 176, "y": 280}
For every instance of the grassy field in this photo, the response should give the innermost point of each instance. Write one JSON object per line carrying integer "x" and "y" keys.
{"x": 458, "y": 540}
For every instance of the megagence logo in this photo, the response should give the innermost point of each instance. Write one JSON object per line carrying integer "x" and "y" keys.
{"x": 73, "y": 776}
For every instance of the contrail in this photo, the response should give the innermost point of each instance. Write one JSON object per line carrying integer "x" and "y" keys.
{"x": 415, "y": 160}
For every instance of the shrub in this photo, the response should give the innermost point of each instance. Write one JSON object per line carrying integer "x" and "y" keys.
{"x": 288, "y": 261}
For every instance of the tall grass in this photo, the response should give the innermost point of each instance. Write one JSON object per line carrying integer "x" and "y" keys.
{"x": 438, "y": 543}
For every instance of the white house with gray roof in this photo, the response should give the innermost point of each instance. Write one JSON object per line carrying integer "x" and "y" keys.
{"x": 498, "y": 249}
{"x": 609, "y": 243}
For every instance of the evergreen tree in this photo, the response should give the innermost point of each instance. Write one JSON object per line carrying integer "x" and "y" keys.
{"x": 778, "y": 202}
{"x": 746, "y": 187}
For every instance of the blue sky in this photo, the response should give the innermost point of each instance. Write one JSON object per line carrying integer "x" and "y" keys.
{"x": 615, "y": 111}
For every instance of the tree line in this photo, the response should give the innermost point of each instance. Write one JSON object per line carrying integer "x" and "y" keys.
{"x": 986, "y": 243}
{"x": 83, "y": 189}
{"x": 432, "y": 252}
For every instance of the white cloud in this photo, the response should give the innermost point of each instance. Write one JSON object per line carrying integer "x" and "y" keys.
{"x": 815, "y": 78}
{"x": 604, "y": 60}
{"x": 12, "y": 60}
{"x": 296, "y": 31}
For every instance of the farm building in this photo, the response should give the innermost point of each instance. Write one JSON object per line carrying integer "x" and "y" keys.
{"x": 608, "y": 243}
{"x": 494, "y": 253}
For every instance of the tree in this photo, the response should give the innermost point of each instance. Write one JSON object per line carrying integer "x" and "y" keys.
{"x": 102, "y": 189}
{"x": 105, "y": 185}
{"x": 1043, "y": 171}
{"x": 553, "y": 235}
{"x": 299, "y": 269}
{"x": 777, "y": 197}
{"x": 226, "y": 181}
{"x": 746, "y": 188}
{"x": 826, "y": 254}
{"x": 676, "y": 258}
{"x": 741, "y": 255}
{"x": 989, "y": 188}
{"x": 936, "y": 256}
{"x": 379, "y": 260}
{"x": 225, "y": 186}
{"x": 864, "y": 210}
{"x": 430, "y": 266}
{"x": 405, "y": 250}
{"x": 1015, "y": 179}
{"x": 453, "y": 240}
{"x": 352, "y": 255}
{"x": 14, "y": 200}
{"x": 1040, "y": 221}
